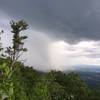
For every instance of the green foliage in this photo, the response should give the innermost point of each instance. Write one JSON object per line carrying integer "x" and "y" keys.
{"x": 29, "y": 84}
{"x": 41, "y": 91}
{"x": 6, "y": 84}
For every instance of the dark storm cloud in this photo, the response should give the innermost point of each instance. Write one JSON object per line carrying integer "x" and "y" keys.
{"x": 71, "y": 20}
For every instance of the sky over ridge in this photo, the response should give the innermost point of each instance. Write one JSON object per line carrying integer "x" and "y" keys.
{"x": 62, "y": 32}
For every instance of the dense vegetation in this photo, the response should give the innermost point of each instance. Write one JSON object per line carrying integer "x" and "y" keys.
{"x": 20, "y": 82}
{"x": 30, "y": 84}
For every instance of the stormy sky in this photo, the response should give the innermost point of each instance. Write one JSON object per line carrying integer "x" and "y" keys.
{"x": 62, "y": 33}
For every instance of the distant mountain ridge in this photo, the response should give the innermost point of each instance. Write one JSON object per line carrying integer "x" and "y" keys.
{"x": 90, "y": 74}
{"x": 87, "y": 68}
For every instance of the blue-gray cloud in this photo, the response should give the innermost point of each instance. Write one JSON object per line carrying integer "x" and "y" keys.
{"x": 70, "y": 20}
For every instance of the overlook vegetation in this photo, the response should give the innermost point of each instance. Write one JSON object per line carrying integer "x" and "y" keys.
{"x": 20, "y": 82}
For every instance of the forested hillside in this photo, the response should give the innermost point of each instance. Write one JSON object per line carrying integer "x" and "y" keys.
{"x": 30, "y": 84}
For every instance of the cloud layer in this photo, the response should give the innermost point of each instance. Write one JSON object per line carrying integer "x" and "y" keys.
{"x": 71, "y": 20}
{"x": 68, "y": 55}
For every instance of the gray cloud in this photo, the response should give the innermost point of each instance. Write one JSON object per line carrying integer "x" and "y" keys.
{"x": 70, "y": 20}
